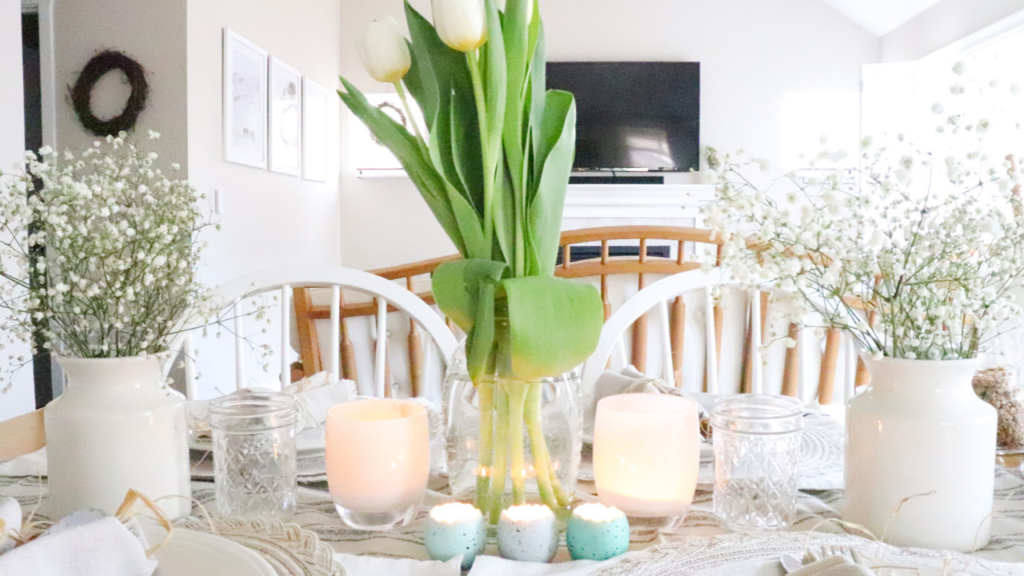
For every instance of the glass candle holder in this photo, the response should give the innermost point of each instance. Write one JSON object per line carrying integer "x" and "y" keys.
{"x": 378, "y": 461}
{"x": 646, "y": 455}
{"x": 596, "y": 532}
{"x": 757, "y": 451}
{"x": 453, "y": 529}
{"x": 528, "y": 533}
{"x": 254, "y": 453}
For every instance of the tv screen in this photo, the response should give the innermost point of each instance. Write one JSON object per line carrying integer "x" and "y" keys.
{"x": 642, "y": 116}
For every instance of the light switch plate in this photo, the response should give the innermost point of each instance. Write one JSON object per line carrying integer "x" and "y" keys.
{"x": 218, "y": 201}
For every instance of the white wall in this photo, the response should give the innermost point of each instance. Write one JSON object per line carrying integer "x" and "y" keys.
{"x": 942, "y": 24}
{"x": 752, "y": 55}
{"x": 20, "y": 397}
{"x": 271, "y": 219}
{"x": 153, "y": 33}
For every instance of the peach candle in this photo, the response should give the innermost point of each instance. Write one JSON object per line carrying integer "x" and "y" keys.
{"x": 378, "y": 461}
{"x": 646, "y": 453}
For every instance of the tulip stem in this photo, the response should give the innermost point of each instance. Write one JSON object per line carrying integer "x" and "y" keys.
{"x": 489, "y": 160}
{"x": 412, "y": 119}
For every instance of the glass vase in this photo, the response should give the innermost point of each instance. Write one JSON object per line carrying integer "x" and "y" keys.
{"x": 512, "y": 442}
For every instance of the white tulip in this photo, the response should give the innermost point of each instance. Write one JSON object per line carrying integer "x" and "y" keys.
{"x": 383, "y": 51}
{"x": 461, "y": 24}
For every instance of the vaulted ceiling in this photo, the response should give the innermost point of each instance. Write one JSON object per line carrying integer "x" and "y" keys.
{"x": 881, "y": 16}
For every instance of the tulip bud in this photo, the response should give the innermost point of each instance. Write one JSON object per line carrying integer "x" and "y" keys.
{"x": 461, "y": 24}
{"x": 383, "y": 51}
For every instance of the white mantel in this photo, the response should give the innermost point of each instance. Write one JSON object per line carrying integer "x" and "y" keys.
{"x": 588, "y": 205}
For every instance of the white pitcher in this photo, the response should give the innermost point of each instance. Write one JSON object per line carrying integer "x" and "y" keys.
{"x": 920, "y": 455}
{"x": 116, "y": 427}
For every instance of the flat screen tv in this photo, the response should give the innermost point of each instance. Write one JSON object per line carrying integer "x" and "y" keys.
{"x": 633, "y": 116}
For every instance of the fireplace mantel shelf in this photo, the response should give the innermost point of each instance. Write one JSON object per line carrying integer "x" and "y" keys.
{"x": 636, "y": 200}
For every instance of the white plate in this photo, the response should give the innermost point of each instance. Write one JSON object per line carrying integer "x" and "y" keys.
{"x": 309, "y": 441}
{"x": 191, "y": 553}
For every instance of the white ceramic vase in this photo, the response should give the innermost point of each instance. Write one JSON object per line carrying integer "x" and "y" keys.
{"x": 116, "y": 427}
{"x": 920, "y": 453}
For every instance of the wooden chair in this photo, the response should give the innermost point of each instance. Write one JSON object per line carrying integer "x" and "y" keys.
{"x": 677, "y": 286}
{"x": 294, "y": 284}
{"x": 25, "y": 434}
{"x": 604, "y": 265}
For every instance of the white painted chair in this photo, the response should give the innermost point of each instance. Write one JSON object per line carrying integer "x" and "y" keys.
{"x": 700, "y": 286}
{"x": 281, "y": 282}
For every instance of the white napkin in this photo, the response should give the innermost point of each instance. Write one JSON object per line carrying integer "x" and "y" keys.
{"x": 630, "y": 380}
{"x": 10, "y": 522}
{"x": 33, "y": 465}
{"x": 380, "y": 566}
{"x": 101, "y": 548}
{"x": 495, "y": 566}
{"x": 314, "y": 395}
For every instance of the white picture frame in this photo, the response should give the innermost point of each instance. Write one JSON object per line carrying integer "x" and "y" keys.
{"x": 285, "y": 123}
{"x": 367, "y": 155}
{"x": 245, "y": 101}
{"x": 315, "y": 101}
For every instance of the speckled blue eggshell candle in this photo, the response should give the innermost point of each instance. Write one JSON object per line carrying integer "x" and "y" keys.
{"x": 528, "y": 533}
{"x": 597, "y": 533}
{"x": 454, "y": 529}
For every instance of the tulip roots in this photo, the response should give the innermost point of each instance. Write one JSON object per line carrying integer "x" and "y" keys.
{"x": 510, "y": 416}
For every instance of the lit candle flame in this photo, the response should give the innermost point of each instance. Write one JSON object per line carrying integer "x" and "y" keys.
{"x": 593, "y": 512}
{"x": 527, "y": 513}
{"x": 454, "y": 512}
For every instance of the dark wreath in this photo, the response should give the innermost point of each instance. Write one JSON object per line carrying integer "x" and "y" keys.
{"x": 81, "y": 93}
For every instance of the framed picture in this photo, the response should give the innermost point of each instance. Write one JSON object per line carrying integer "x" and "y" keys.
{"x": 368, "y": 155}
{"x": 314, "y": 131}
{"x": 245, "y": 101}
{"x": 285, "y": 118}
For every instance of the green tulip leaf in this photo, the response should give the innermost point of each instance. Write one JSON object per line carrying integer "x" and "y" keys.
{"x": 554, "y": 324}
{"x": 456, "y": 287}
{"x": 558, "y": 140}
{"x": 422, "y": 84}
{"x": 480, "y": 340}
{"x": 405, "y": 147}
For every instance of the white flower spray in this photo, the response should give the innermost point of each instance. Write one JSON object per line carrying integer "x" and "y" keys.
{"x": 930, "y": 250}
{"x": 115, "y": 271}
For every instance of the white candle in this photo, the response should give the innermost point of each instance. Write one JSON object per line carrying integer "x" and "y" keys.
{"x": 453, "y": 529}
{"x": 528, "y": 533}
{"x": 646, "y": 453}
{"x": 378, "y": 461}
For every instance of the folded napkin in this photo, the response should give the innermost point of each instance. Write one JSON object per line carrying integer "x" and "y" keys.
{"x": 377, "y": 566}
{"x": 833, "y": 566}
{"x": 100, "y": 548}
{"x": 628, "y": 381}
{"x": 33, "y": 465}
{"x": 495, "y": 566}
{"x": 314, "y": 396}
{"x": 10, "y": 523}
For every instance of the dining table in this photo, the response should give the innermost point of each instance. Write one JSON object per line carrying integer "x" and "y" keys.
{"x": 696, "y": 544}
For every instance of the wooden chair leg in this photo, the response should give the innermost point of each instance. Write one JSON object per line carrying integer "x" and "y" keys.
{"x": 863, "y": 377}
{"x": 309, "y": 340}
{"x": 415, "y": 353}
{"x": 640, "y": 338}
{"x": 678, "y": 334}
{"x": 791, "y": 374}
{"x": 829, "y": 360}
{"x": 348, "y": 352}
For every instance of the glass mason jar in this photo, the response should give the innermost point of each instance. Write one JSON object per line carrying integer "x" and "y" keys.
{"x": 757, "y": 451}
{"x": 254, "y": 453}
{"x": 484, "y": 447}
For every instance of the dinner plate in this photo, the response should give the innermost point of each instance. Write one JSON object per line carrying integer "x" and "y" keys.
{"x": 308, "y": 442}
{"x": 190, "y": 553}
